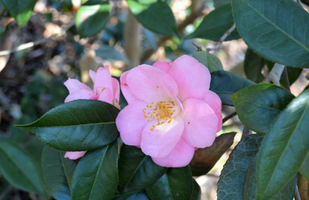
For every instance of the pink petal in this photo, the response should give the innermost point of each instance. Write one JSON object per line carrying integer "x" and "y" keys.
{"x": 307, "y": 69}
{"x": 180, "y": 156}
{"x": 81, "y": 94}
{"x": 160, "y": 141}
{"x": 214, "y": 101}
{"x": 126, "y": 91}
{"x": 74, "y": 85}
{"x": 163, "y": 65}
{"x": 131, "y": 122}
{"x": 103, "y": 79}
{"x": 116, "y": 89}
{"x": 150, "y": 84}
{"x": 201, "y": 123}
{"x": 192, "y": 78}
{"x": 73, "y": 155}
{"x": 92, "y": 75}
{"x": 107, "y": 96}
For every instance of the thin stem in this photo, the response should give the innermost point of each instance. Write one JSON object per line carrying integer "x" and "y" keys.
{"x": 198, "y": 47}
{"x": 227, "y": 33}
{"x": 287, "y": 78}
{"x": 32, "y": 44}
{"x": 228, "y": 117}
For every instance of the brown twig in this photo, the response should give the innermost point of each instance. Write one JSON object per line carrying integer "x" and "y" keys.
{"x": 226, "y": 34}
{"x": 229, "y": 117}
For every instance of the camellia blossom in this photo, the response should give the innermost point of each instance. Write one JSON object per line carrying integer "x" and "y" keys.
{"x": 171, "y": 111}
{"x": 106, "y": 88}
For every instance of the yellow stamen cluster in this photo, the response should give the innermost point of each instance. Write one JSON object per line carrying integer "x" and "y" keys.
{"x": 162, "y": 111}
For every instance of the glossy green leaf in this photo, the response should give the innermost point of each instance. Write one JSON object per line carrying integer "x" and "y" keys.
{"x": 175, "y": 184}
{"x": 284, "y": 147}
{"x": 196, "y": 191}
{"x": 96, "y": 175}
{"x": 141, "y": 195}
{"x": 258, "y": 105}
{"x": 19, "y": 168}
{"x": 155, "y": 15}
{"x": 304, "y": 169}
{"x": 253, "y": 66}
{"x": 286, "y": 193}
{"x": 211, "y": 61}
{"x": 136, "y": 170}
{"x": 215, "y": 24}
{"x": 263, "y": 26}
{"x": 91, "y": 19}
{"x": 218, "y": 3}
{"x": 57, "y": 173}
{"x": 225, "y": 84}
{"x": 21, "y": 10}
{"x": 204, "y": 159}
{"x": 35, "y": 147}
{"x": 233, "y": 175}
{"x": 77, "y": 125}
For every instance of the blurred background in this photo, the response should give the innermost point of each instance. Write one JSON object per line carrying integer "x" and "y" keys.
{"x": 31, "y": 79}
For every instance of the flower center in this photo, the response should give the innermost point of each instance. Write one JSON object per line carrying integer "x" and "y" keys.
{"x": 162, "y": 111}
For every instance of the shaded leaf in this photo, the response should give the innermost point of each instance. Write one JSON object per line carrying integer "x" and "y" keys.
{"x": 136, "y": 170}
{"x": 35, "y": 148}
{"x": 232, "y": 178}
{"x": 141, "y": 195}
{"x": 215, "y": 24}
{"x": 225, "y": 84}
{"x": 57, "y": 173}
{"x": 258, "y": 105}
{"x": 154, "y": 15}
{"x": 96, "y": 175}
{"x": 175, "y": 184}
{"x": 204, "y": 159}
{"x": 284, "y": 147}
{"x": 21, "y": 10}
{"x": 91, "y": 19}
{"x": 253, "y": 66}
{"x": 211, "y": 61}
{"x": 77, "y": 125}
{"x": 286, "y": 193}
{"x": 19, "y": 168}
{"x": 263, "y": 26}
{"x": 196, "y": 191}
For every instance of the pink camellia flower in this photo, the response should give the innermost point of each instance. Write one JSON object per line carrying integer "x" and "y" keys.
{"x": 105, "y": 89}
{"x": 171, "y": 111}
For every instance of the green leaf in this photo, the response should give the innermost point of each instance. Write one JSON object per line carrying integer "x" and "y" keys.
{"x": 96, "y": 175}
{"x": 77, "y": 125}
{"x": 155, "y": 15}
{"x": 211, "y": 61}
{"x": 91, "y": 19}
{"x": 196, "y": 191}
{"x": 225, "y": 84}
{"x": 232, "y": 178}
{"x": 293, "y": 74}
{"x": 21, "y": 10}
{"x": 284, "y": 148}
{"x": 215, "y": 24}
{"x": 253, "y": 66}
{"x": 175, "y": 184}
{"x": 136, "y": 170}
{"x": 218, "y": 3}
{"x": 258, "y": 105}
{"x": 141, "y": 195}
{"x": 286, "y": 193}
{"x": 19, "y": 168}
{"x": 263, "y": 26}
{"x": 204, "y": 159}
{"x": 57, "y": 173}
{"x": 304, "y": 169}
{"x": 35, "y": 148}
